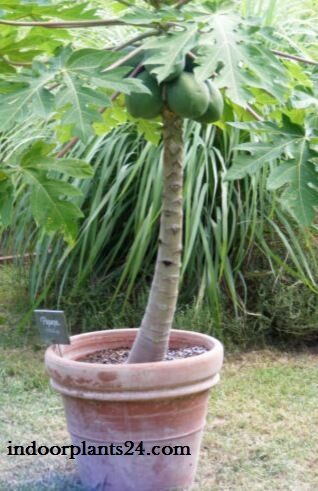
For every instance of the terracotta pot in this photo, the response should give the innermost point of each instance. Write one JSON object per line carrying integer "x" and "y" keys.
{"x": 162, "y": 404}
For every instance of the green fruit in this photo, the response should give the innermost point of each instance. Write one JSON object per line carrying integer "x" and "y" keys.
{"x": 177, "y": 69}
{"x": 187, "y": 97}
{"x": 145, "y": 106}
{"x": 215, "y": 107}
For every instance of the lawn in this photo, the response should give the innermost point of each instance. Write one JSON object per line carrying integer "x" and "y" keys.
{"x": 261, "y": 431}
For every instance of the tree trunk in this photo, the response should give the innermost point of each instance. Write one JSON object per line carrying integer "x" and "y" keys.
{"x": 153, "y": 336}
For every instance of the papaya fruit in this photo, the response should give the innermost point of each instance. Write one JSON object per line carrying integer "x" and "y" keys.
{"x": 145, "y": 106}
{"x": 215, "y": 106}
{"x": 187, "y": 97}
{"x": 177, "y": 69}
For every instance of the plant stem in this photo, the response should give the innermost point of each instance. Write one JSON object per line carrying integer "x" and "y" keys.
{"x": 280, "y": 54}
{"x": 19, "y": 63}
{"x": 253, "y": 113}
{"x": 137, "y": 38}
{"x": 152, "y": 340}
{"x": 124, "y": 59}
{"x": 75, "y": 24}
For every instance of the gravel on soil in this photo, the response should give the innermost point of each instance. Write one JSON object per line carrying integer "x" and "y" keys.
{"x": 110, "y": 356}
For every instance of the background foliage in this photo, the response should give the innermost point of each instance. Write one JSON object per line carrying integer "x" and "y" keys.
{"x": 246, "y": 259}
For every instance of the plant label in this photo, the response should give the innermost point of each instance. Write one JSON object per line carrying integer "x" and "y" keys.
{"x": 52, "y": 326}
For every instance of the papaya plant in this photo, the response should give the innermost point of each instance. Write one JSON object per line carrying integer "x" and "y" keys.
{"x": 200, "y": 62}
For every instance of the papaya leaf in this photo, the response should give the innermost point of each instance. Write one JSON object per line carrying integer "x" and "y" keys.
{"x": 49, "y": 209}
{"x": 80, "y": 106}
{"x": 30, "y": 94}
{"x": 37, "y": 41}
{"x": 78, "y": 93}
{"x": 65, "y": 9}
{"x": 150, "y": 129}
{"x": 82, "y": 90}
{"x": 5, "y": 67}
{"x": 37, "y": 157}
{"x": 51, "y": 198}
{"x": 116, "y": 80}
{"x": 112, "y": 117}
{"x": 139, "y": 15}
{"x": 296, "y": 172}
{"x": 237, "y": 61}
{"x": 304, "y": 100}
{"x": 299, "y": 176}
{"x": 70, "y": 167}
{"x": 165, "y": 53}
{"x": 279, "y": 140}
{"x": 261, "y": 154}
{"x": 88, "y": 60}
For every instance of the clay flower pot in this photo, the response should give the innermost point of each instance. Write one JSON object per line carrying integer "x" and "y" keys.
{"x": 161, "y": 404}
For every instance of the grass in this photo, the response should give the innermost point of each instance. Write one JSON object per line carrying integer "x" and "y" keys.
{"x": 260, "y": 433}
{"x": 30, "y": 410}
{"x": 14, "y": 303}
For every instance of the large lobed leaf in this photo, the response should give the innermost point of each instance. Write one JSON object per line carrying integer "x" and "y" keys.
{"x": 71, "y": 88}
{"x": 238, "y": 62}
{"x": 51, "y": 196}
{"x": 290, "y": 150}
{"x": 164, "y": 53}
{"x": 62, "y": 9}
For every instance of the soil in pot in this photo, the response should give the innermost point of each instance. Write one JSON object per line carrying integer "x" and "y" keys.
{"x": 120, "y": 355}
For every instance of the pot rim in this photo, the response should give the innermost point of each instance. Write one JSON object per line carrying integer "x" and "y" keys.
{"x": 217, "y": 347}
{"x": 170, "y": 378}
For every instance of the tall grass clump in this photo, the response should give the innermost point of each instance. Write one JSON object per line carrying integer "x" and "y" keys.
{"x": 243, "y": 255}
{"x": 235, "y": 233}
